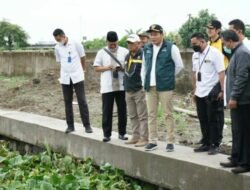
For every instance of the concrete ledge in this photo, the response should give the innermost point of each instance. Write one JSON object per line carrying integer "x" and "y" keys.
{"x": 181, "y": 169}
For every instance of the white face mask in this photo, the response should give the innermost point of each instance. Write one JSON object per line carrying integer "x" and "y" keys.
{"x": 227, "y": 50}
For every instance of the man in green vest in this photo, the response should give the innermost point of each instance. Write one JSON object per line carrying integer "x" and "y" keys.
{"x": 162, "y": 61}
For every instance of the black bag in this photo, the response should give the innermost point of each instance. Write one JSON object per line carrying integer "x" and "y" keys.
{"x": 214, "y": 93}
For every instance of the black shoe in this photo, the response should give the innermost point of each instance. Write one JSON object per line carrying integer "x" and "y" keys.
{"x": 150, "y": 147}
{"x": 88, "y": 130}
{"x": 229, "y": 158}
{"x": 202, "y": 148}
{"x": 170, "y": 148}
{"x": 228, "y": 164}
{"x": 106, "y": 139}
{"x": 122, "y": 137}
{"x": 213, "y": 150}
{"x": 240, "y": 169}
{"x": 69, "y": 130}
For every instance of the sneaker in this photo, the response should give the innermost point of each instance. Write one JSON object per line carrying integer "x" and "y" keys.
{"x": 150, "y": 147}
{"x": 106, "y": 139}
{"x": 141, "y": 143}
{"x": 69, "y": 130}
{"x": 122, "y": 137}
{"x": 202, "y": 148}
{"x": 213, "y": 150}
{"x": 170, "y": 148}
{"x": 131, "y": 141}
{"x": 88, "y": 130}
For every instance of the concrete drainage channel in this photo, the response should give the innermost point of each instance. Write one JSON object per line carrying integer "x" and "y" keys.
{"x": 182, "y": 168}
{"x": 29, "y": 149}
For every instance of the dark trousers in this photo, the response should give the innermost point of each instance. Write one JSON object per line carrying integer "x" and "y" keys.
{"x": 208, "y": 115}
{"x": 83, "y": 107}
{"x": 235, "y": 119}
{"x": 241, "y": 135}
{"x": 107, "y": 112}
{"x": 221, "y": 116}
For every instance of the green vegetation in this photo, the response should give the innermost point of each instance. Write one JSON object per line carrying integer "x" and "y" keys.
{"x": 13, "y": 81}
{"x": 52, "y": 171}
{"x": 194, "y": 24}
{"x": 12, "y": 36}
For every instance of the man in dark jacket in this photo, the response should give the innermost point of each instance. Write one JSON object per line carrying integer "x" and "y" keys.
{"x": 238, "y": 98}
{"x": 135, "y": 96}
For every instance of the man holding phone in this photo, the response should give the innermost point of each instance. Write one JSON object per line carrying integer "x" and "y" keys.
{"x": 109, "y": 62}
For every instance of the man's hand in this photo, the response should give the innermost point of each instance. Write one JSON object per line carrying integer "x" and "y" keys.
{"x": 232, "y": 104}
{"x": 109, "y": 67}
{"x": 220, "y": 96}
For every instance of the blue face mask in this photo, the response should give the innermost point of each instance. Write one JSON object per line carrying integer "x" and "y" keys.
{"x": 227, "y": 50}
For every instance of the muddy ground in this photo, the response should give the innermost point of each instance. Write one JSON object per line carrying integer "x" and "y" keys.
{"x": 42, "y": 95}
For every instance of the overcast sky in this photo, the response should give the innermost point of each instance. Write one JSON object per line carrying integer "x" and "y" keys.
{"x": 93, "y": 18}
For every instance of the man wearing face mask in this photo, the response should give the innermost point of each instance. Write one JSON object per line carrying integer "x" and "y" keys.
{"x": 109, "y": 62}
{"x": 208, "y": 82}
{"x": 71, "y": 57}
{"x": 162, "y": 61}
{"x": 238, "y": 98}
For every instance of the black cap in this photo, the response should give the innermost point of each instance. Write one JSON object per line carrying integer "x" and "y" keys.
{"x": 155, "y": 28}
{"x": 214, "y": 24}
{"x": 112, "y": 36}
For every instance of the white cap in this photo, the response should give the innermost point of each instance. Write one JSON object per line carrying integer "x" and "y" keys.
{"x": 133, "y": 38}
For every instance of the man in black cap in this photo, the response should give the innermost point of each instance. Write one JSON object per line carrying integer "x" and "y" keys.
{"x": 109, "y": 62}
{"x": 162, "y": 61}
{"x": 213, "y": 32}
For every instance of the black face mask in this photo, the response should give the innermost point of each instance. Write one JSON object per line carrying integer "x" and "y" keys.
{"x": 197, "y": 48}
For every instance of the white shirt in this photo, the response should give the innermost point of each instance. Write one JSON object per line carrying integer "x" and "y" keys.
{"x": 212, "y": 65}
{"x": 70, "y": 70}
{"x": 176, "y": 56}
{"x": 103, "y": 59}
{"x": 246, "y": 42}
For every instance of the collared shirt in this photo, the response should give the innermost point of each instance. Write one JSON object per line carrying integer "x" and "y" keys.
{"x": 103, "y": 59}
{"x": 210, "y": 68}
{"x": 71, "y": 68}
{"x": 246, "y": 42}
{"x": 218, "y": 44}
{"x": 176, "y": 56}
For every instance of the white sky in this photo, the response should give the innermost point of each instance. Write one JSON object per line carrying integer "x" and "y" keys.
{"x": 93, "y": 18}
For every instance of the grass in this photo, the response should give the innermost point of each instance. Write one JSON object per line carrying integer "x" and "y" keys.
{"x": 10, "y": 82}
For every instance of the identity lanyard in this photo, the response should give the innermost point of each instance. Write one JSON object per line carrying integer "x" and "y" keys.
{"x": 200, "y": 64}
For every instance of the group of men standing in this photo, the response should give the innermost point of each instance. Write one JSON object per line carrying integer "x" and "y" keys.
{"x": 138, "y": 80}
{"x": 225, "y": 56}
{"x": 143, "y": 77}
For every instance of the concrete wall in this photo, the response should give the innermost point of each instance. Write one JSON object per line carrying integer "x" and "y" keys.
{"x": 180, "y": 170}
{"x": 35, "y": 62}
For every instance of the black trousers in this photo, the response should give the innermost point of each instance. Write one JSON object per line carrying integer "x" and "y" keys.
{"x": 221, "y": 116}
{"x": 241, "y": 135}
{"x": 208, "y": 114}
{"x": 235, "y": 120}
{"x": 81, "y": 98}
{"x": 107, "y": 112}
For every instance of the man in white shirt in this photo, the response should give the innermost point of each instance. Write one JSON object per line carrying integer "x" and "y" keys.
{"x": 162, "y": 61}
{"x": 208, "y": 83}
{"x": 109, "y": 62}
{"x": 71, "y": 57}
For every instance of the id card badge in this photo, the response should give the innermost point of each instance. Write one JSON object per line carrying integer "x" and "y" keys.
{"x": 69, "y": 58}
{"x": 199, "y": 76}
